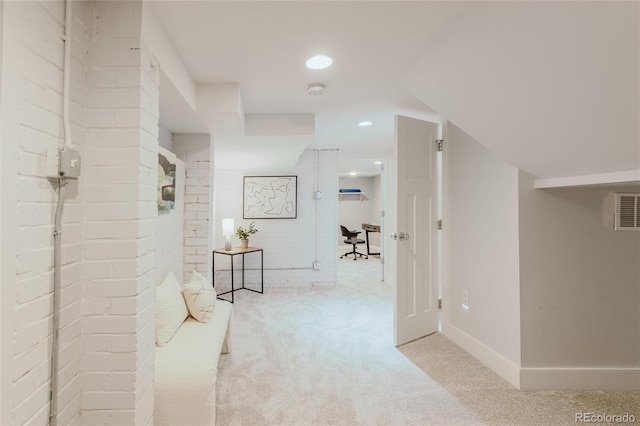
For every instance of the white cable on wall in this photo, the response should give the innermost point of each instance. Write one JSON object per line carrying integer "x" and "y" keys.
{"x": 66, "y": 89}
{"x": 316, "y": 171}
{"x": 317, "y": 194}
{"x": 57, "y": 265}
{"x": 57, "y": 231}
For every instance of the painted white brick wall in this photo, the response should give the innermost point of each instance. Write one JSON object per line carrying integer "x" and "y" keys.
{"x": 289, "y": 245}
{"x": 120, "y": 220}
{"x": 109, "y": 222}
{"x": 38, "y": 110}
{"x": 196, "y": 150}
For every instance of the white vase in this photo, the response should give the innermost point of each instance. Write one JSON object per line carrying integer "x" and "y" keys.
{"x": 244, "y": 243}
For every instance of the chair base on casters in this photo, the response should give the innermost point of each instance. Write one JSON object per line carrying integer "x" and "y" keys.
{"x": 354, "y": 253}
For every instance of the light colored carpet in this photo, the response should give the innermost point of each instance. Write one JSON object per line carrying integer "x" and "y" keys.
{"x": 324, "y": 356}
{"x": 499, "y": 403}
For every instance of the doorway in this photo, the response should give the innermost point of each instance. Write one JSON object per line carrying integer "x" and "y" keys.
{"x": 360, "y": 207}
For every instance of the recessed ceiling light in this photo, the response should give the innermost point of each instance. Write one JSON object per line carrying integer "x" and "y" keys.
{"x": 319, "y": 62}
{"x": 377, "y": 163}
{"x": 352, "y": 173}
{"x": 365, "y": 124}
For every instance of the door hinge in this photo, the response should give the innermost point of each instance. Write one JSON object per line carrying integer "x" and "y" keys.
{"x": 439, "y": 303}
{"x": 439, "y": 144}
{"x": 440, "y": 224}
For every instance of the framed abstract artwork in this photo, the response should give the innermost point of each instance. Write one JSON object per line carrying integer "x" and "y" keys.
{"x": 270, "y": 197}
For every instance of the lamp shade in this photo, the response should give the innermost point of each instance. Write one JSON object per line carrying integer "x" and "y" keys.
{"x": 227, "y": 227}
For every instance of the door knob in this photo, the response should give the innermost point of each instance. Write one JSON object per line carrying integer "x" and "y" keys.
{"x": 402, "y": 236}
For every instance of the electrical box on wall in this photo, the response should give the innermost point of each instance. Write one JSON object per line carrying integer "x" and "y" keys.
{"x": 63, "y": 163}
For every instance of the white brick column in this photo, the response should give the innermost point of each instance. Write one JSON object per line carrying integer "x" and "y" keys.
{"x": 196, "y": 150}
{"x": 120, "y": 181}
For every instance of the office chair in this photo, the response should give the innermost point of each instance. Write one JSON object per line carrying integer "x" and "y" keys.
{"x": 352, "y": 238}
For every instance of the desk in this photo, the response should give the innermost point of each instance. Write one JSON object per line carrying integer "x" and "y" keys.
{"x": 233, "y": 252}
{"x": 370, "y": 227}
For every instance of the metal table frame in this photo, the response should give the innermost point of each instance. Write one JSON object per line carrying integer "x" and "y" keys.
{"x": 370, "y": 228}
{"x": 233, "y": 252}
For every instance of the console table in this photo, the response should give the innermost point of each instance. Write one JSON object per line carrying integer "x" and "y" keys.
{"x": 234, "y": 252}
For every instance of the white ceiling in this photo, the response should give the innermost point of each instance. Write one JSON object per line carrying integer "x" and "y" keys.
{"x": 263, "y": 46}
{"x": 553, "y": 89}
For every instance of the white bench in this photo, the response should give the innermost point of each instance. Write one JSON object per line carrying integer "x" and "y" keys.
{"x": 186, "y": 370}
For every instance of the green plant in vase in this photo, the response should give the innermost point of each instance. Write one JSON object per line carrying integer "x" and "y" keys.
{"x": 244, "y": 233}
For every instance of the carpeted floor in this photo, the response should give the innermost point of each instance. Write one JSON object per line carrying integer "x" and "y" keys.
{"x": 324, "y": 356}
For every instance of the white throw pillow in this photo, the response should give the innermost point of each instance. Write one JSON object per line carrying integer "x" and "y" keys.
{"x": 200, "y": 297}
{"x": 171, "y": 310}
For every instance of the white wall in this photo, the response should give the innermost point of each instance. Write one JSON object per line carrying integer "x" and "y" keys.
{"x": 7, "y": 230}
{"x": 170, "y": 231}
{"x": 165, "y": 138}
{"x": 290, "y": 245}
{"x": 31, "y": 100}
{"x": 481, "y": 251}
{"x": 580, "y": 282}
{"x": 9, "y": 127}
{"x": 376, "y": 209}
{"x": 196, "y": 150}
{"x": 108, "y": 235}
{"x": 353, "y": 213}
{"x": 120, "y": 214}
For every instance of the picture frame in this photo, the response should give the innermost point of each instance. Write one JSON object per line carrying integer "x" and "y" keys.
{"x": 166, "y": 179}
{"x": 270, "y": 197}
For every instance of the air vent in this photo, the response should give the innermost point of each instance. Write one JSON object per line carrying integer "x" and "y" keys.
{"x": 627, "y": 212}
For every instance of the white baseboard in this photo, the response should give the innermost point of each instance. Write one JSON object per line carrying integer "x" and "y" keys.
{"x": 502, "y": 366}
{"x": 545, "y": 378}
{"x": 580, "y": 378}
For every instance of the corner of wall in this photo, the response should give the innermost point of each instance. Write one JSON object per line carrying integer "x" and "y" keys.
{"x": 502, "y": 366}
{"x": 481, "y": 253}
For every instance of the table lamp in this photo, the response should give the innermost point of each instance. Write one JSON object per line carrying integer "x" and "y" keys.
{"x": 227, "y": 231}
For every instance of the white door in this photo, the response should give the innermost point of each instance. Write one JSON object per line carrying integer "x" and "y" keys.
{"x": 413, "y": 225}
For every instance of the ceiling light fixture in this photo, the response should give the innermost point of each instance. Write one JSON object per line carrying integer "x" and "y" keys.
{"x": 319, "y": 62}
{"x": 377, "y": 163}
{"x": 365, "y": 124}
{"x": 352, "y": 173}
{"x": 315, "y": 88}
